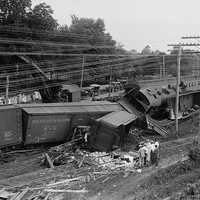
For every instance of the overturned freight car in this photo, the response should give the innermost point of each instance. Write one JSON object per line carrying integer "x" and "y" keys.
{"x": 158, "y": 104}
{"x": 44, "y": 123}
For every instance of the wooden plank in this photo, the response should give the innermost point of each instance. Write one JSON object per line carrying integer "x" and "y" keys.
{"x": 64, "y": 182}
{"x": 47, "y": 196}
{"x": 67, "y": 191}
{"x": 15, "y": 196}
{"x": 81, "y": 162}
{"x": 21, "y": 195}
{"x": 48, "y": 159}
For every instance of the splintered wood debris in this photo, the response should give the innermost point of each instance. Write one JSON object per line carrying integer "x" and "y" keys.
{"x": 87, "y": 167}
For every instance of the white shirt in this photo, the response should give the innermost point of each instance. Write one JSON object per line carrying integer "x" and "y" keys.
{"x": 143, "y": 150}
{"x": 149, "y": 149}
{"x": 157, "y": 144}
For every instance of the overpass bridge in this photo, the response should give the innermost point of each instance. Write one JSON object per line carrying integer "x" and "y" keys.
{"x": 192, "y": 82}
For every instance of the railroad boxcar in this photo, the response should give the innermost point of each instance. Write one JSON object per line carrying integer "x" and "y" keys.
{"x": 43, "y": 123}
{"x": 10, "y": 126}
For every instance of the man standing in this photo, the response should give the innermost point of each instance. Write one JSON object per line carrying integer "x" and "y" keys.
{"x": 143, "y": 155}
{"x": 150, "y": 148}
{"x": 86, "y": 135}
{"x": 156, "y": 153}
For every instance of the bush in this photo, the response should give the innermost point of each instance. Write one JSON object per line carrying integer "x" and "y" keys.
{"x": 194, "y": 151}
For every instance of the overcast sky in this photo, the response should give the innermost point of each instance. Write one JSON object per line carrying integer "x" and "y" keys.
{"x": 136, "y": 23}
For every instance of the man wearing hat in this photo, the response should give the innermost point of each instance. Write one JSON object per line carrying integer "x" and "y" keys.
{"x": 156, "y": 153}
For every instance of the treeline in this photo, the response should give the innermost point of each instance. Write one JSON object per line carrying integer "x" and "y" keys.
{"x": 21, "y": 13}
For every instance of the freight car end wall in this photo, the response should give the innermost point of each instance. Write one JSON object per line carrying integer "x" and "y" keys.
{"x": 10, "y": 126}
{"x": 45, "y": 128}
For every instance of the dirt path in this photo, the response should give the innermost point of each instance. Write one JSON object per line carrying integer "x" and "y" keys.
{"x": 119, "y": 188}
{"x": 124, "y": 187}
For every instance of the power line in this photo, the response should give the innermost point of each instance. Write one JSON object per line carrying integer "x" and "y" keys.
{"x": 60, "y": 54}
{"x": 49, "y": 43}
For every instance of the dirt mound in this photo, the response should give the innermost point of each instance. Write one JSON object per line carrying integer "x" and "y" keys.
{"x": 166, "y": 182}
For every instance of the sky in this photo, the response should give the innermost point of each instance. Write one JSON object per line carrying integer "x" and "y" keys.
{"x": 136, "y": 23}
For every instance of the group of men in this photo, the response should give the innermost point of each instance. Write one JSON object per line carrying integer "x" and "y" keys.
{"x": 148, "y": 153}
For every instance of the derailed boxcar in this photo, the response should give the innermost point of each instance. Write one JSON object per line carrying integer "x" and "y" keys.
{"x": 45, "y": 123}
{"x": 111, "y": 130}
{"x": 10, "y": 126}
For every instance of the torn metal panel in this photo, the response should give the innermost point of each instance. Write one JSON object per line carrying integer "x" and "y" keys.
{"x": 129, "y": 107}
{"x": 154, "y": 125}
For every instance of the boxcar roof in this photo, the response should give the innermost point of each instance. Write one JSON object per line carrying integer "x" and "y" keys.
{"x": 73, "y": 108}
{"x": 118, "y": 118}
{"x": 71, "y": 88}
{"x": 82, "y": 103}
{"x": 6, "y": 107}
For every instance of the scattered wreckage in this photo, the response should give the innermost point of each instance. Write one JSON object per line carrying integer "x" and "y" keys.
{"x": 94, "y": 149}
{"x": 88, "y": 166}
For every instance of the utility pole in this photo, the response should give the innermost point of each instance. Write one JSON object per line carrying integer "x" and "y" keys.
{"x": 177, "y": 86}
{"x": 161, "y": 71}
{"x": 110, "y": 82}
{"x": 198, "y": 65}
{"x": 17, "y": 68}
{"x": 82, "y": 72}
{"x": 179, "y": 48}
{"x": 164, "y": 69}
{"x": 7, "y": 88}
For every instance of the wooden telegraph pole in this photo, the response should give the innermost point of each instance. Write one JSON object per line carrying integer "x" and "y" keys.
{"x": 164, "y": 68}
{"x": 7, "y": 89}
{"x": 110, "y": 82}
{"x": 82, "y": 72}
{"x": 177, "y": 86}
{"x": 179, "y": 46}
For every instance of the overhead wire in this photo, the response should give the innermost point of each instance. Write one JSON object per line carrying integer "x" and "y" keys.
{"x": 79, "y": 59}
{"x": 48, "y": 86}
{"x": 71, "y": 74}
{"x": 98, "y": 56}
{"x": 39, "y": 31}
{"x": 36, "y": 32}
{"x": 60, "y": 68}
{"x": 63, "y": 67}
{"x": 48, "y": 43}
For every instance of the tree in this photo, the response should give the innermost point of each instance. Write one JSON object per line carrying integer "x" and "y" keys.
{"x": 20, "y": 12}
{"x": 147, "y": 50}
{"x": 14, "y": 11}
{"x": 93, "y": 29}
{"x": 41, "y": 18}
{"x": 120, "y": 49}
{"x": 63, "y": 29}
